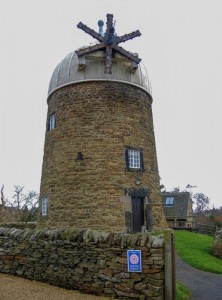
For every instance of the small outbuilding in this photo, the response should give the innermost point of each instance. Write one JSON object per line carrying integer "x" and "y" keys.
{"x": 178, "y": 209}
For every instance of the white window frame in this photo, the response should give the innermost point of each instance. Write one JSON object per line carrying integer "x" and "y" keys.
{"x": 52, "y": 121}
{"x": 134, "y": 159}
{"x": 169, "y": 201}
{"x": 45, "y": 204}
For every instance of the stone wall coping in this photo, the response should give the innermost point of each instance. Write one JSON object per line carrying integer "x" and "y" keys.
{"x": 125, "y": 240}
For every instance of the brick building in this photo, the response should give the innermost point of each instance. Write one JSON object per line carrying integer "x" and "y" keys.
{"x": 100, "y": 166}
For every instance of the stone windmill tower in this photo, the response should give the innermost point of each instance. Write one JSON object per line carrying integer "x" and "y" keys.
{"x": 100, "y": 166}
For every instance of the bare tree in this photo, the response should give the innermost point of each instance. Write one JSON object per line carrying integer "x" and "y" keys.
{"x": 23, "y": 205}
{"x": 29, "y": 210}
{"x": 2, "y": 196}
{"x": 5, "y": 215}
{"x": 201, "y": 201}
{"x": 18, "y": 201}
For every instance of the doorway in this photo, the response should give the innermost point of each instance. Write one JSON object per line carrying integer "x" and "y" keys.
{"x": 138, "y": 213}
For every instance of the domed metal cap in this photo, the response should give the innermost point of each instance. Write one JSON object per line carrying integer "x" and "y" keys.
{"x": 104, "y": 60}
{"x": 91, "y": 68}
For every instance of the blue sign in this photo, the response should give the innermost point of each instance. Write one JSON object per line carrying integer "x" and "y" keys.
{"x": 134, "y": 261}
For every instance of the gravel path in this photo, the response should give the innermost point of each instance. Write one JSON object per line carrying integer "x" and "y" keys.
{"x": 203, "y": 285}
{"x": 17, "y": 288}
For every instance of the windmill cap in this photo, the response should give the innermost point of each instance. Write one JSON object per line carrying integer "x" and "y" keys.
{"x": 73, "y": 69}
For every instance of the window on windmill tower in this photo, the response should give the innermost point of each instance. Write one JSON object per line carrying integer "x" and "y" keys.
{"x": 169, "y": 201}
{"x": 45, "y": 202}
{"x": 51, "y": 121}
{"x": 134, "y": 159}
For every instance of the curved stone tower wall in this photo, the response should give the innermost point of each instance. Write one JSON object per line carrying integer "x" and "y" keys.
{"x": 84, "y": 174}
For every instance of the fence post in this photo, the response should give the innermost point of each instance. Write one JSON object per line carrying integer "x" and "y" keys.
{"x": 169, "y": 257}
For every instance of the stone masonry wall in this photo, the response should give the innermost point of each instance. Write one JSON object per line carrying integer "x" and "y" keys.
{"x": 90, "y": 261}
{"x": 98, "y": 119}
{"x": 216, "y": 247}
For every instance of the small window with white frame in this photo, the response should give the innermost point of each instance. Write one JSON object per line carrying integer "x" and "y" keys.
{"x": 134, "y": 159}
{"x": 169, "y": 201}
{"x": 51, "y": 121}
{"x": 45, "y": 204}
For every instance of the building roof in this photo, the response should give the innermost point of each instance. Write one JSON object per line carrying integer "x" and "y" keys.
{"x": 71, "y": 69}
{"x": 181, "y": 203}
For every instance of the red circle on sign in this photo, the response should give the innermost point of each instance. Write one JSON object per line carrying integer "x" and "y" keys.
{"x": 134, "y": 259}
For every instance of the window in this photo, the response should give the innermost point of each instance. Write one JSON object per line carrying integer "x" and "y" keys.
{"x": 169, "y": 201}
{"x": 52, "y": 121}
{"x": 134, "y": 159}
{"x": 45, "y": 206}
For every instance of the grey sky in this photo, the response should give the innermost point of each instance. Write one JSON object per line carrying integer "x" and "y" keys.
{"x": 181, "y": 48}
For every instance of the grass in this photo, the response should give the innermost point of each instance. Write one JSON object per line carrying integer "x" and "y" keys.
{"x": 194, "y": 249}
{"x": 182, "y": 293}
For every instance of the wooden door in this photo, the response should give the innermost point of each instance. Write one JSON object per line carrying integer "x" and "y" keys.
{"x": 138, "y": 213}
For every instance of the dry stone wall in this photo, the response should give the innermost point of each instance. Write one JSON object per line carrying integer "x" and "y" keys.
{"x": 90, "y": 261}
{"x": 216, "y": 248}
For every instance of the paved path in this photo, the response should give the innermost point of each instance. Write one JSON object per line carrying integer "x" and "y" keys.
{"x": 203, "y": 285}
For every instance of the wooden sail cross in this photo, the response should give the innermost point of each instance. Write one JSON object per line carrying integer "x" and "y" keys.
{"x": 108, "y": 43}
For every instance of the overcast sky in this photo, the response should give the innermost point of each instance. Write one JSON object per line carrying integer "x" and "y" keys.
{"x": 181, "y": 47}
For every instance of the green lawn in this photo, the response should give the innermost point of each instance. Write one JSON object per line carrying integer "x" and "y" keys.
{"x": 194, "y": 249}
{"x": 182, "y": 293}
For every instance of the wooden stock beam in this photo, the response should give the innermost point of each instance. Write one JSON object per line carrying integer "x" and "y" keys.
{"x": 90, "y": 49}
{"x": 126, "y": 37}
{"x": 90, "y": 31}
